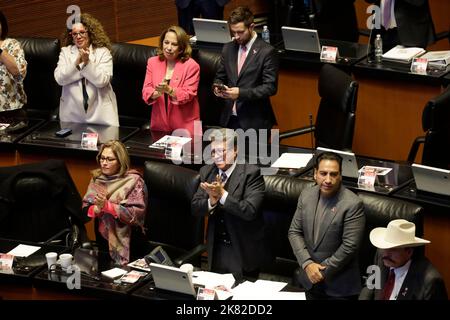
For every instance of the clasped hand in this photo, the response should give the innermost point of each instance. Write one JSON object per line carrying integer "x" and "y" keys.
{"x": 313, "y": 271}
{"x": 99, "y": 201}
{"x": 214, "y": 190}
{"x": 160, "y": 89}
{"x": 83, "y": 56}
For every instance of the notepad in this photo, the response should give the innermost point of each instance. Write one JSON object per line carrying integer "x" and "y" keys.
{"x": 402, "y": 54}
{"x": 114, "y": 273}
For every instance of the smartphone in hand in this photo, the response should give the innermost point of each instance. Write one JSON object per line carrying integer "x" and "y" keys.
{"x": 220, "y": 87}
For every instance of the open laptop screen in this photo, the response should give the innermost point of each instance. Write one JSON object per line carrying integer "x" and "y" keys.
{"x": 431, "y": 179}
{"x": 172, "y": 279}
{"x": 209, "y": 30}
{"x": 298, "y": 39}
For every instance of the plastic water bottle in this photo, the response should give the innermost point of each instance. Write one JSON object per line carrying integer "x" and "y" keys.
{"x": 265, "y": 34}
{"x": 378, "y": 49}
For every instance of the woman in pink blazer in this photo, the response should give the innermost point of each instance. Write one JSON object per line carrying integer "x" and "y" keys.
{"x": 171, "y": 84}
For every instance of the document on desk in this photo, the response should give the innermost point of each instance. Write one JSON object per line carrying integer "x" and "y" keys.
{"x": 292, "y": 160}
{"x": 265, "y": 290}
{"x": 24, "y": 250}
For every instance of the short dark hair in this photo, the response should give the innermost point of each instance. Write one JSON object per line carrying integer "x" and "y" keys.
{"x": 4, "y": 24}
{"x": 328, "y": 156}
{"x": 241, "y": 14}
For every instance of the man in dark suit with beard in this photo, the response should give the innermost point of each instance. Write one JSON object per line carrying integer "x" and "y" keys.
{"x": 249, "y": 71}
{"x": 231, "y": 195}
{"x": 405, "y": 22}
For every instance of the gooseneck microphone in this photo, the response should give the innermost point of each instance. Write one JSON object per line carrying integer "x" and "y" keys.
{"x": 311, "y": 132}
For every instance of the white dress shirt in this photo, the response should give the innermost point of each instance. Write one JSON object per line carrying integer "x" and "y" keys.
{"x": 400, "y": 274}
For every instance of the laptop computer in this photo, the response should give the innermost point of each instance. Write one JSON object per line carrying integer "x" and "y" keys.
{"x": 349, "y": 163}
{"x": 172, "y": 279}
{"x": 431, "y": 179}
{"x": 298, "y": 39}
{"x": 210, "y": 30}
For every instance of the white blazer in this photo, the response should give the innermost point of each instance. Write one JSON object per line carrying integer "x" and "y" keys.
{"x": 98, "y": 72}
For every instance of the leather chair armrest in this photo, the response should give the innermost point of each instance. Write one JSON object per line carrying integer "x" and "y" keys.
{"x": 414, "y": 148}
{"x": 191, "y": 255}
{"x": 296, "y": 132}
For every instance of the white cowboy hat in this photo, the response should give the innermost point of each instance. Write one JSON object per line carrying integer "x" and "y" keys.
{"x": 399, "y": 233}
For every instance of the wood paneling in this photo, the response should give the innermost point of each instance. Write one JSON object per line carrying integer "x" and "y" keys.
{"x": 123, "y": 20}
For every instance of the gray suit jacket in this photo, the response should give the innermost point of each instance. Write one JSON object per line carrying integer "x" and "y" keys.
{"x": 241, "y": 212}
{"x": 338, "y": 242}
{"x": 422, "y": 282}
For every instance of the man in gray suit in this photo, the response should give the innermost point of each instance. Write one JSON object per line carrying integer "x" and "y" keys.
{"x": 326, "y": 233}
{"x": 231, "y": 195}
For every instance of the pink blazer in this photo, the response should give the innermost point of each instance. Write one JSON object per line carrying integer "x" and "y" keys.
{"x": 182, "y": 111}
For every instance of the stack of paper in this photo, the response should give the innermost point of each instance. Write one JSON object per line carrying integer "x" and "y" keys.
{"x": 402, "y": 54}
{"x": 437, "y": 58}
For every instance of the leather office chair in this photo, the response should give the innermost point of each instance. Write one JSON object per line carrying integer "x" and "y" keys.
{"x": 335, "y": 122}
{"x": 280, "y": 202}
{"x": 379, "y": 211}
{"x": 210, "y": 106}
{"x": 43, "y": 93}
{"x": 39, "y": 203}
{"x": 436, "y": 142}
{"x": 130, "y": 65}
{"x": 169, "y": 221}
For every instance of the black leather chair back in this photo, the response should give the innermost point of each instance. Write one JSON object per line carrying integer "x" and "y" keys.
{"x": 38, "y": 201}
{"x": 379, "y": 211}
{"x": 42, "y": 91}
{"x": 435, "y": 122}
{"x": 169, "y": 221}
{"x": 335, "y": 123}
{"x": 280, "y": 202}
{"x": 210, "y": 106}
{"x": 130, "y": 65}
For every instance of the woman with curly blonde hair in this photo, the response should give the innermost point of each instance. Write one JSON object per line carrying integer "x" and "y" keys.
{"x": 85, "y": 70}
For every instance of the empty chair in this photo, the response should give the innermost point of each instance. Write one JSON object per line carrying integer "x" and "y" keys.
{"x": 169, "y": 222}
{"x": 280, "y": 202}
{"x": 436, "y": 142}
{"x": 335, "y": 120}
{"x": 210, "y": 106}
{"x": 130, "y": 63}
{"x": 40, "y": 203}
{"x": 42, "y": 91}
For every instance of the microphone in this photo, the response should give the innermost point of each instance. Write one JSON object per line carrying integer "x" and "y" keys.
{"x": 311, "y": 132}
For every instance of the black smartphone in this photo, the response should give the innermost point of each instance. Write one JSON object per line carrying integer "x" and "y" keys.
{"x": 63, "y": 132}
{"x": 219, "y": 86}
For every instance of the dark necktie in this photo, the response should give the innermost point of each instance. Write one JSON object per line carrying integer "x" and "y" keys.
{"x": 389, "y": 285}
{"x": 85, "y": 94}
{"x": 224, "y": 177}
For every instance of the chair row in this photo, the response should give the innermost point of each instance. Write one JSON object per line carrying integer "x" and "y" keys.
{"x": 40, "y": 200}
{"x": 170, "y": 222}
{"x": 129, "y": 67}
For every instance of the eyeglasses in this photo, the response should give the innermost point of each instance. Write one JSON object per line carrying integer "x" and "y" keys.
{"x": 81, "y": 34}
{"x": 218, "y": 152}
{"x": 107, "y": 159}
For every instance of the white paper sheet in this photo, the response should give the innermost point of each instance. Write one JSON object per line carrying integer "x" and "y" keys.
{"x": 292, "y": 160}
{"x": 23, "y": 250}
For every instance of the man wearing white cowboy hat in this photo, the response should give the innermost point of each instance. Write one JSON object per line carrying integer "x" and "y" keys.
{"x": 404, "y": 276}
